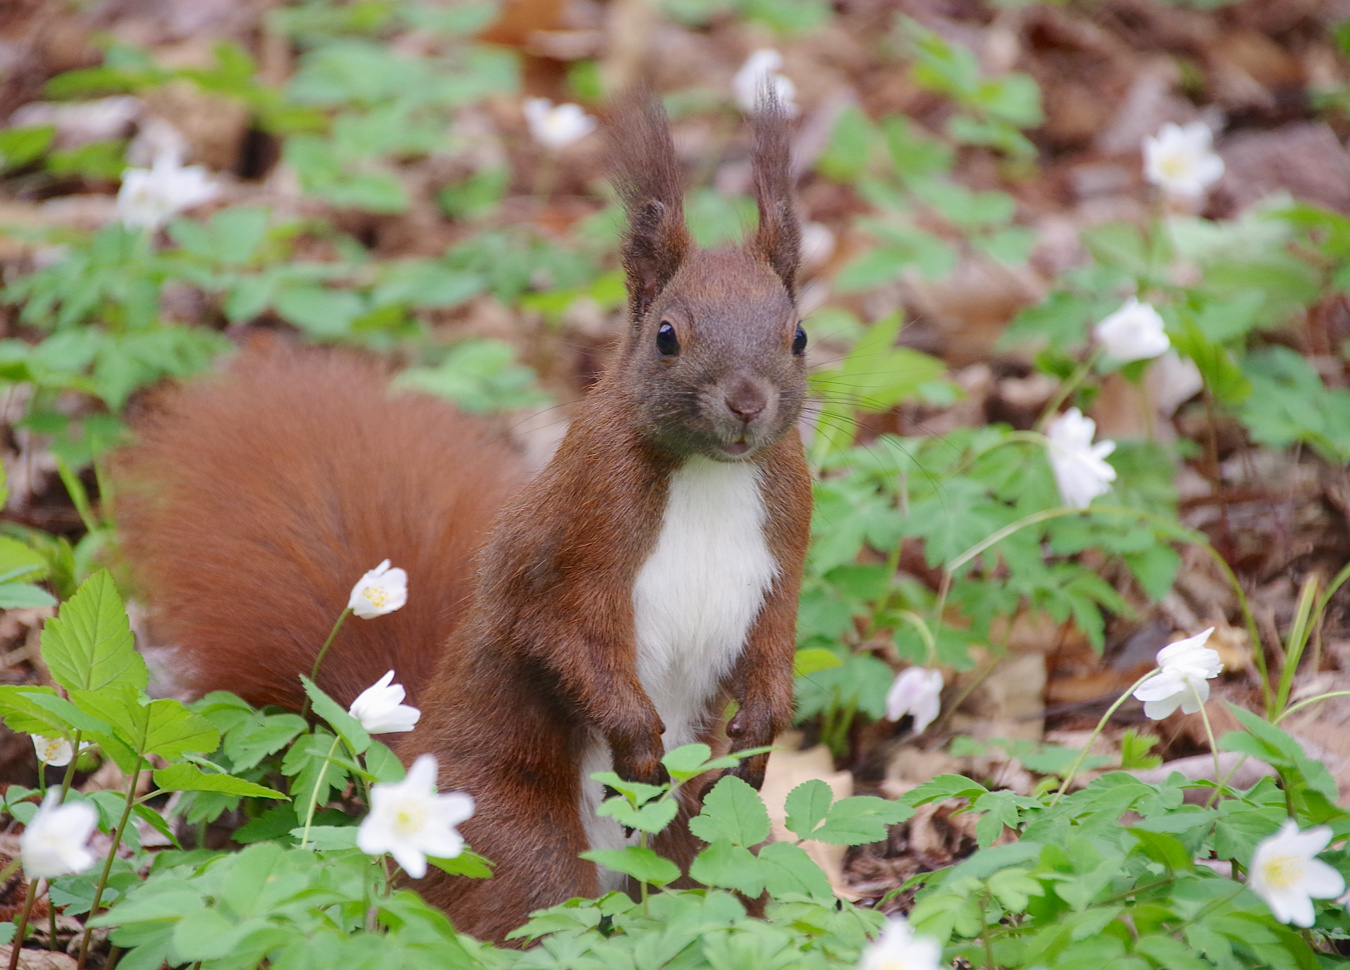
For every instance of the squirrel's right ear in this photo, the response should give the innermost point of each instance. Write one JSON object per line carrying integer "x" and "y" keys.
{"x": 647, "y": 178}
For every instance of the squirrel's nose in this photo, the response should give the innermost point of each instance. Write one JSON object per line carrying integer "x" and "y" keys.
{"x": 746, "y": 401}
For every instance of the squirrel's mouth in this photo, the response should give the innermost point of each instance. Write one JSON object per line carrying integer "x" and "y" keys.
{"x": 737, "y": 448}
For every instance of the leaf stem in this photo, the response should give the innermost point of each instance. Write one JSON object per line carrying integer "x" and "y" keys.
{"x": 107, "y": 863}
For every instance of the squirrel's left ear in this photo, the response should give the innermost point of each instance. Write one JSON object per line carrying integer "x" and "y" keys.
{"x": 646, "y": 175}
{"x": 779, "y": 238}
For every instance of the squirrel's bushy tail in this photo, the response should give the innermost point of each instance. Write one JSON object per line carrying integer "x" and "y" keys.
{"x": 252, "y": 500}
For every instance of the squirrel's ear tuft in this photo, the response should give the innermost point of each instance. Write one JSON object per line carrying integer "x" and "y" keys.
{"x": 647, "y": 177}
{"x": 779, "y": 238}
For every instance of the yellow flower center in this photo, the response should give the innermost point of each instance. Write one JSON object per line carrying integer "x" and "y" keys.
{"x": 1283, "y": 871}
{"x": 1174, "y": 165}
{"x": 410, "y": 819}
{"x": 376, "y": 596}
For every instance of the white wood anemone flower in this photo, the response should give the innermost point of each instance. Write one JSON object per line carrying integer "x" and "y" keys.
{"x": 899, "y": 949}
{"x": 380, "y": 591}
{"x": 916, "y": 691}
{"x": 760, "y": 71}
{"x": 1181, "y": 160}
{"x": 410, "y": 820}
{"x": 56, "y": 752}
{"x": 381, "y": 710}
{"x": 1081, "y": 469}
{"x": 54, "y": 843}
{"x": 1134, "y": 332}
{"x": 150, "y": 197}
{"x": 1184, "y": 671}
{"x": 1286, "y": 873}
{"x": 556, "y": 125}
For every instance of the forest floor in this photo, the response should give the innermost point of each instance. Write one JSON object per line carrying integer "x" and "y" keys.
{"x": 1109, "y": 72}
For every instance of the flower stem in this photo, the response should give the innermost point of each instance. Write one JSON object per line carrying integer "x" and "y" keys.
{"x": 314, "y": 671}
{"x": 1209, "y": 733}
{"x": 1082, "y": 755}
{"x": 22, "y": 928}
{"x": 314, "y": 793}
{"x": 1069, "y": 385}
{"x": 107, "y": 863}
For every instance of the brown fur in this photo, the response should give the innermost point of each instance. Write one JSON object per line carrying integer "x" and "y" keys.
{"x": 545, "y": 658}
{"x": 253, "y": 500}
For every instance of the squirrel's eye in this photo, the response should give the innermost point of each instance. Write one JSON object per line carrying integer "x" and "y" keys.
{"x": 667, "y": 344}
{"x": 799, "y": 341}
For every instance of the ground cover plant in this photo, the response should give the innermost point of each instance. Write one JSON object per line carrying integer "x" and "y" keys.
{"x": 1073, "y": 623}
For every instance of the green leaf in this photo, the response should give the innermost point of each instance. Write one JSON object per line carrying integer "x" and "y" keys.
{"x": 88, "y": 645}
{"x": 188, "y": 777}
{"x": 19, "y": 596}
{"x": 687, "y": 760}
{"x": 469, "y": 864}
{"x": 651, "y": 817}
{"x": 860, "y": 819}
{"x": 788, "y": 869}
{"x": 728, "y": 867}
{"x": 812, "y": 660}
{"x": 732, "y": 811}
{"x": 163, "y": 726}
{"x": 642, "y": 864}
{"x": 807, "y": 805}
{"x": 346, "y": 726}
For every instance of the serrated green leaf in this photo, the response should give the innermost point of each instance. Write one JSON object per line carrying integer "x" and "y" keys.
{"x": 860, "y": 819}
{"x": 728, "y": 867}
{"x": 188, "y": 777}
{"x": 687, "y": 760}
{"x": 651, "y": 817}
{"x": 732, "y": 811}
{"x": 788, "y": 869}
{"x": 88, "y": 645}
{"x": 346, "y": 726}
{"x": 807, "y": 805}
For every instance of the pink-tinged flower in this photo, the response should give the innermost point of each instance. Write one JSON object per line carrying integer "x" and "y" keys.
{"x": 916, "y": 691}
{"x": 1184, "y": 672}
{"x": 1287, "y": 875}
{"x": 1081, "y": 470}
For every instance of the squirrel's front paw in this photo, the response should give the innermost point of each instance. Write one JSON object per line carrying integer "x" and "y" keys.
{"x": 640, "y": 760}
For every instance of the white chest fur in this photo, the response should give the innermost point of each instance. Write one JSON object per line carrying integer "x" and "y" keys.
{"x": 700, "y": 589}
{"x": 694, "y": 602}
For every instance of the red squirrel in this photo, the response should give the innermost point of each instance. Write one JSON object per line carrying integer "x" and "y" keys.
{"x": 648, "y": 573}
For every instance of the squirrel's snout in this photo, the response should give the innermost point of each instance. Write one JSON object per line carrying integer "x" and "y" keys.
{"x": 746, "y": 400}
